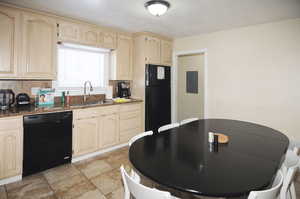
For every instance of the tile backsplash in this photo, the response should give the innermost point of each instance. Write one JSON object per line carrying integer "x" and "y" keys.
{"x": 24, "y": 86}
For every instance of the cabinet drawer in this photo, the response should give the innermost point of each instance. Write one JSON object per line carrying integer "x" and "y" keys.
{"x": 109, "y": 110}
{"x": 11, "y": 123}
{"x": 130, "y": 107}
{"x": 131, "y": 120}
{"x": 86, "y": 113}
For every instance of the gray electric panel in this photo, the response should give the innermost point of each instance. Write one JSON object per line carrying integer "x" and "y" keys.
{"x": 192, "y": 81}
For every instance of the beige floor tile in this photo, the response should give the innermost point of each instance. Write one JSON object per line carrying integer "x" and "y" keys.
{"x": 60, "y": 173}
{"x": 94, "y": 168}
{"x": 27, "y": 181}
{"x": 116, "y": 194}
{"x": 72, "y": 187}
{"x": 95, "y": 194}
{"x": 34, "y": 188}
{"x": 3, "y": 194}
{"x": 107, "y": 182}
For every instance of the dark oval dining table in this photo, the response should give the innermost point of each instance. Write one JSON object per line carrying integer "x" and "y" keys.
{"x": 182, "y": 158}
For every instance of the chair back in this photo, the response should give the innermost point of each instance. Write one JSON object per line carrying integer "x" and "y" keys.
{"x": 271, "y": 193}
{"x": 291, "y": 159}
{"x": 167, "y": 127}
{"x": 288, "y": 182}
{"x": 140, "y": 191}
{"x": 188, "y": 120}
{"x": 135, "y": 138}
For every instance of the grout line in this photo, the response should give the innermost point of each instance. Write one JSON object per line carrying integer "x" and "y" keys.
{"x": 54, "y": 194}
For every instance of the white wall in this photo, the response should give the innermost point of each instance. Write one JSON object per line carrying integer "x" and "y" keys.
{"x": 253, "y": 74}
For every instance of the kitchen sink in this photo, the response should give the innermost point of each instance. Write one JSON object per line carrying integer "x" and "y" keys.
{"x": 85, "y": 104}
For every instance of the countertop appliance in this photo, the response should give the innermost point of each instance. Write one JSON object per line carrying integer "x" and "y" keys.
{"x": 7, "y": 98}
{"x": 47, "y": 141}
{"x": 23, "y": 99}
{"x": 158, "y": 96}
{"x": 124, "y": 90}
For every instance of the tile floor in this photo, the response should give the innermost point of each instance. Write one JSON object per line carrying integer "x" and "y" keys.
{"x": 95, "y": 178}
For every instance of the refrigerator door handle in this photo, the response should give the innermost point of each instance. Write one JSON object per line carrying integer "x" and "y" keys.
{"x": 147, "y": 77}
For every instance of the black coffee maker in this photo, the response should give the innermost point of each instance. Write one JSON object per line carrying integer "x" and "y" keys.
{"x": 7, "y": 98}
{"x": 123, "y": 90}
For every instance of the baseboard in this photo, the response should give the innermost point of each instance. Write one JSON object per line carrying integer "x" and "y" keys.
{"x": 11, "y": 180}
{"x": 90, "y": 155}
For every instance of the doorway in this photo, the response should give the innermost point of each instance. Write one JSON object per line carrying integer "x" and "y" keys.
{"x": 190, "y": 86}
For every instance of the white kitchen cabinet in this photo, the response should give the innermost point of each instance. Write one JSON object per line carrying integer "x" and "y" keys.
{"x": 130, "y": 121}
{"x": 68, "y": 32}
{"x": 11, "y": 146}
{"x": 152, "y": 48}
{"x": 90, "y": 36}
{"x": 85, "y": 136}
{"x": 9, "y": 42}
{"x": 109, "y": 40}
{"x": 39, "y": 35}
{"x": 109, "y": 130}
{"x": 166, "y": 53}
{"x": 121, "y": 67}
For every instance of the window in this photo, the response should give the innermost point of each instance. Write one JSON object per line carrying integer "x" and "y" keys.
{"x": 77, "y": 64}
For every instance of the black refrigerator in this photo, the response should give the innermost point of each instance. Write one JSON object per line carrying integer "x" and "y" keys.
{"x": 158, "y": 97}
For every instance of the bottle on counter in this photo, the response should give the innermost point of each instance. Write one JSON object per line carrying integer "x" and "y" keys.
{"x": 68, "y": 101}
{"x": 63, "y": 95}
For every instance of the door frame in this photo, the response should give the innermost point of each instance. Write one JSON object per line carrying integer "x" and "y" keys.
{"x": 174, "y": 80}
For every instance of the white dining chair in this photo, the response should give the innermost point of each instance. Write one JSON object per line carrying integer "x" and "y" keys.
{"x": 132, "y": 140}
{"x": 188, "y": 120}
{"x": 271, "y": 193}
{"x": 289, "y": 168}
{"x": 133, "y": 187}
{"x": 167, "y": 127}
{"x": 288, "y": 189}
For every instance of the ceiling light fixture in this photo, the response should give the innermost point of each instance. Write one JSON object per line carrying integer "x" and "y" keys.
{"x": 157, "y": 7}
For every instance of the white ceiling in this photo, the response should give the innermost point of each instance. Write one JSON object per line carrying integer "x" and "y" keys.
{"x": 185, "y": 17}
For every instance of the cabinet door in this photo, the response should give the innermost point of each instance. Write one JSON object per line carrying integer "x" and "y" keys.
{"x": 39, "y": 47}
{"x": 11, "y": 153}
{"x": 166, "y": 53}
{"x": 68, "y": 32}
{"x": 85, "y": 136}
{"x": 109, "y": 130}
{"x": 152, "y": 50}
{"x": 124, "y": 58}
{"x": 90, "y": 36}
{"x": 109, "y": 40}
{"x": 130, "y": 125}
{"x": 9, "y": 38}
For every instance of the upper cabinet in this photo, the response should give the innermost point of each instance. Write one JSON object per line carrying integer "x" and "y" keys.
{"x": 9, "y": 39}
{"x": 39, "y": 49}
{"x": 121, "y": 68}
{"x": 109, "y": 40}
{"x": 166, "y": 53}
{"x": 90, "y": 36}
{"x": 68, "y": 32}
{"x": 152, "y": 47}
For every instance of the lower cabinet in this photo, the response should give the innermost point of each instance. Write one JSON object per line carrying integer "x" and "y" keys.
{"x": 103, "y": 127}
{"x": 11, "y": 146}
{"x": 109, "y": 130}
{"x": 130, "y": 121}
{"x": 85, "y": 136}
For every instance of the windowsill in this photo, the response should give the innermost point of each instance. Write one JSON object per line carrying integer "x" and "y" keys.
{"x": 80, "y": 91}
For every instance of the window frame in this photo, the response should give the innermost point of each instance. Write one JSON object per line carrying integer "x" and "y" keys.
{"x": 80, "y": 90}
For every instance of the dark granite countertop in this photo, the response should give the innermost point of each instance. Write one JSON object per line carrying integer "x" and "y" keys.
{"x": 32, "y": 109}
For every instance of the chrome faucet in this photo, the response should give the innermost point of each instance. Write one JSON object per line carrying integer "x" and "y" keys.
{"x": 91, "y": 89}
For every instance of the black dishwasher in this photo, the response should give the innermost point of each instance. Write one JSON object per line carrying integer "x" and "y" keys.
{"x": 47, "y": 141}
